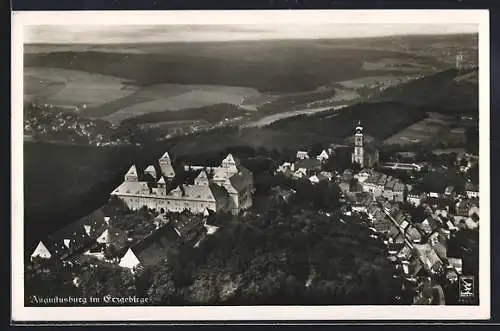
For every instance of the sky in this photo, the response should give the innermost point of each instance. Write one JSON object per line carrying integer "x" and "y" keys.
{"x": 106, "y": 34}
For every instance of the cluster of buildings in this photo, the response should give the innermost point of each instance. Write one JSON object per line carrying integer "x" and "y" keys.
{"x": 228, "y": 187}
{"x": 50, "y": 124}
{"x": 95, "y": 236}
{"x": 417, "y": 248}
{"x": 381, "y": 185}
{"x": 182, "y": 209}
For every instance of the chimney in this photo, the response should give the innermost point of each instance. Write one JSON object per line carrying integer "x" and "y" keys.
{"x": 87, "y": 229}
{"x": 106, "y": 219}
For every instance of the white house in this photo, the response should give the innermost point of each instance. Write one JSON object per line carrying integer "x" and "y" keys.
{"x": 286, "y": 166}
{"x": 301, "y": 155}
{"x": 323, "y": 156}
{"x": 300, "y": 173}
{"x": 472, "y": 191}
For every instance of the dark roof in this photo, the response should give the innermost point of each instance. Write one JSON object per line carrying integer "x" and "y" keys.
{"x": 157, "y": 246}
{"x": 308, "y": 164}
{"x": 412, "y": 233}
{"x": 222, "y": 199}
{"x": 242, "y": 179}
{"x": 186, "y": 225}
{"x": 472, "y": 187}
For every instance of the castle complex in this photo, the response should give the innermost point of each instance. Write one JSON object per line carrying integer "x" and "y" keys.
{"x": 228, "y": 187}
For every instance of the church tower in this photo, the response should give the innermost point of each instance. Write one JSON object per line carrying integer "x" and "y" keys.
{"x": 358, "y": 156}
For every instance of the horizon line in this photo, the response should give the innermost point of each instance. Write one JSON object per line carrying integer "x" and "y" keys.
{"x": 254, "y": 40}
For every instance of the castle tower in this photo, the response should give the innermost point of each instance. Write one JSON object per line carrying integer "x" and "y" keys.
{"x": 229, "y": 165}
{"x": 358, "y": 156}
{"x": 131, "y": 175}
{"x": 166, "y": 166}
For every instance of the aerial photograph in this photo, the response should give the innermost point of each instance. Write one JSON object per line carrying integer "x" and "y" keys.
{"x": 251, "y": 164}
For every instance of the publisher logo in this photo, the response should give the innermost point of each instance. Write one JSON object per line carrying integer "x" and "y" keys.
{"x": 466, "y": 287}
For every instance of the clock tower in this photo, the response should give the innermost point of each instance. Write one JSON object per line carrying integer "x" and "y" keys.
{"x": 358, "y": 155}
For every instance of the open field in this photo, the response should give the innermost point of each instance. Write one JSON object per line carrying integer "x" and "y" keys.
{"x": 72, "y": 87}
{"x": 185, "y": 96}
{"x": 429, "y": 130}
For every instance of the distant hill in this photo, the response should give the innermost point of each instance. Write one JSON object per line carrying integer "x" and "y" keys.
{"x": 449, "y": 90}
{"x": 268, "y": 66}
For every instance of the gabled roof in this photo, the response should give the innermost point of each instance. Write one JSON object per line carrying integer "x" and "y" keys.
{"x": 229, "y": 159}
{"x": 112, "y": 235}
{"x": 428, "y": 256}
{"x": 412, "y": 233}
{"x": 161, "y": 180}
{"x": 132, "y": 171}
{"x": 150, "y": 169}
{"x": 308, "y": 164}
{"x": 154, "y": 248}
{"x": 242, "y": 179}
{"x": 165, "y": 156}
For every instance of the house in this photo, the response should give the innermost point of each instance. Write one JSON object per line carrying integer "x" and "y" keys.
{"x": 327, "y": 174}
{"x": 363, "y": 175}
{"x": 189, "y": 228}
{"x": 323, "y": 156}
{"x": 405, "y": 253}
{"x": 429, "y": 225}
{"x": 345, "y": 187}
{"x": 429, "y": 258}
{"x": 467, "y": 207}
{"x": 151, "y": 250}
{"x": 71, "y": 239}
{"x": 301, "y": 155}
{"x": 315, "y": 179}
{"x": 412, "y": 268}
{"x": 472, "y": 190}
{"x": 413, "y": 235}
{"x": 456, "y": 263}
{"x": 359, "y": 208}
{"x": 448, "y": 190}
{"x": 415, "y": 198}
{"x": 285, "y": 167}
{"x": 311, "y": 165}
{"x": 300, "y": 173}
{"x": 438, "y": 241}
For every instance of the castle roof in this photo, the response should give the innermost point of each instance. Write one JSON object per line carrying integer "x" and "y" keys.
{"x": 165, "y": 156}
{"x": 229, "y": 159}
{"x": 161, "y": 180}
{"x": 132, "y": 171}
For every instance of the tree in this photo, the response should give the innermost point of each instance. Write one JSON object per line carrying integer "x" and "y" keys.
{"x": 162, "y": 289}
{"x": 99, "y": 279}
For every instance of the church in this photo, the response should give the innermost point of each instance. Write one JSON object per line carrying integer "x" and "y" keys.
{"x": 363, "y": 154}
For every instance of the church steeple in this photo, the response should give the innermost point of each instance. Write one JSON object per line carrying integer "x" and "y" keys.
{"x": 358, "y": 154}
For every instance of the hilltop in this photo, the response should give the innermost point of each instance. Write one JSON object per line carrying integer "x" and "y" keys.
{"x": 449, "y": 89}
